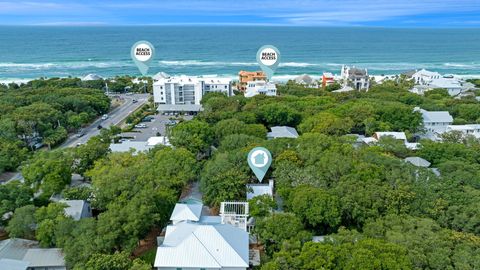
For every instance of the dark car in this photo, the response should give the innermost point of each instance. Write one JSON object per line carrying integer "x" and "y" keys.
{"x": 99, "y": 127}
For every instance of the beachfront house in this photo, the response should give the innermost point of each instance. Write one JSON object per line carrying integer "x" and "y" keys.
{"x": 356, "y": 78}
{"x": 248, "y": 76}
{"x": 424, "y": 77}
{"x": 184, "y": 93}
{"x": 260, "y": 88}
{"x": 22, "y": 254}
{"x": 327, "y": 79}
{"x": 306, "y": 80}
{"x": 282, "y": 132}
{"x": 435, "y": 123}
{"x": 195, "y": 241}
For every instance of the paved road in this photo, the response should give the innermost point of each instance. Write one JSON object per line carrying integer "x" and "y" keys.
{"x": 116, "y": 116}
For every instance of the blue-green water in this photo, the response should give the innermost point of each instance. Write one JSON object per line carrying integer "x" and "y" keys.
{"x": 32, "y": 52}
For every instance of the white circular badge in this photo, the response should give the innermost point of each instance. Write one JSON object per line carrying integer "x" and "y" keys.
{"x": 268, "y": 57}
{"x": 259, "y": 158}
{"x": 143, "y": 52}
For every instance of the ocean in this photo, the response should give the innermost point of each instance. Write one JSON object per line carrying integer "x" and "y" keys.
{"x": 28, "y": 52}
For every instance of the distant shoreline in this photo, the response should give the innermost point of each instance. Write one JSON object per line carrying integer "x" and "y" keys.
{"x": 278, "y": 78}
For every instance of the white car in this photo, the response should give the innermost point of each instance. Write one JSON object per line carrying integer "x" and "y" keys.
{"x": 141, "y": 126}
{"x": 105, "y": 117}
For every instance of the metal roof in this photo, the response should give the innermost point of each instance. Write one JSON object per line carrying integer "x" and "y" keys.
{"x": 396, "y": 135}
{"x": 203, "y": 246}
{"x": 126, "y": 146}
{"x": 283, "y": 132}
{"x": 418, "y": 161}
{"x": 254, "y": 190}
{"x": 28, "y": 252}
{"x": 436, "y": 116}
{"x": 183, "y": 212}
{"x": 74, "y": 208}
{"x": 15, "y": 248}
{"x": 9, "y": 264}
{"x": 179, "y": 108}
{"x": 44, "y": 257}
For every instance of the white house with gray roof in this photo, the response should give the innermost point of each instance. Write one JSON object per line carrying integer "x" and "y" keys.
{"x": 435, "y": 123}
{"x": 198, "y": 242}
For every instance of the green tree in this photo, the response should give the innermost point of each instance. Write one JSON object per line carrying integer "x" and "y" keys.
{"x": 22, "y": 224}
{"x": 196, "y": 136}
{"x": 276, "y": 228}
{"x": 48, "y": 171}
{"x": 326, "y": 123}
{"x": 14, "y": 195}
{"x": 316, "y": 207}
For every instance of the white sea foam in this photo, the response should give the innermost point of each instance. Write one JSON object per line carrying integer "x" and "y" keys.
{"x": 62, "y": 65}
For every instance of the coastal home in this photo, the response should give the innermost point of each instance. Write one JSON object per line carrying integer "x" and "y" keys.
{"x": 260, "y": 88}
{"x": 77, "y": 209}
{"x": 186, "y": 212}
{"x": 327, "y": 79}
{"x": 434, "y": 122}
{"x": 139, "y": 146}
{"x": 453, "y": 86}
{"x": 282, "y": 132}
{"x": 254, "y": 190}
{"x": 356, "y": 78}
{"x": 184, "y": 93}
{"x": 470, "y": 129}
{"x": 91, "y": 77}
{"x": 396, "y": 135}
{"x": 418, "y": 161}
{"x": 202, "y": 242}
{"x": 25, "y": 254}
{"x": 248, "y": 76}
{"x": 424, "y": 77}
{"x": 306, "y": 80}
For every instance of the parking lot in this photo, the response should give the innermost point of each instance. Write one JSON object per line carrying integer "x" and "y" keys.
{"x": 155, "y": 127}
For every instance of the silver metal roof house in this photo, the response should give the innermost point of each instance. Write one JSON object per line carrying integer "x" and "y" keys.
{"x": 77, "y": 209}
{"x": 194, "y": 241}
{"x": 91, "y": 77}
{"x": 203, "y": 246}
{"x": 18, "y": 252}
{"x": 183, "y": 212}
{"x": 418, "y": 161}
{"x": 282, "y": 132}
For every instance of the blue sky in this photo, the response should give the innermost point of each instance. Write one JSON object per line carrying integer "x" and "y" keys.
{"x": 382, "y": 13}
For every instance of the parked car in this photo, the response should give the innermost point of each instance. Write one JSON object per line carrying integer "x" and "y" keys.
{"x": 80, "y": 133}
{"x": 105, "y": 117}
{"x": 148, "y": 119}
{"x": 99, "y": 126}
{"x": 141, "y": 126}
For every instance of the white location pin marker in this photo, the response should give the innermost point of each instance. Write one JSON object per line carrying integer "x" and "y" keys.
{"x": 142, "y": 54}
{"x": 268, "y": 57}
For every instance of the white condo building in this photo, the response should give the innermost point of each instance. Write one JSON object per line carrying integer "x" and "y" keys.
{"x": 260, "y": 87}
{"x": 184, "y": 93}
